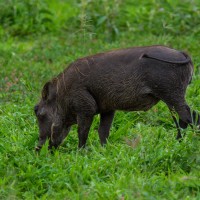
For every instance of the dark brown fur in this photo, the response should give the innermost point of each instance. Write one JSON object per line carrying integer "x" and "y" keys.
{"x": 130, "y": 79}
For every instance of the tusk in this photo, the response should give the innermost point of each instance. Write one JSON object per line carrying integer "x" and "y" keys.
{"x": 52, "y": 126}
{"x": 37, "y": 148}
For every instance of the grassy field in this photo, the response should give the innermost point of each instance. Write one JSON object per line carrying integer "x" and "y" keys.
{"x": 142, "y": 159}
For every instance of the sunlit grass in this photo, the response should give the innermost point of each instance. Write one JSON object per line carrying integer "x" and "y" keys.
{"x": 142, "y": 159}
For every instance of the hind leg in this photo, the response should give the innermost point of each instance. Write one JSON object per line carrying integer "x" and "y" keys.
{"x": 195, "y": 119}
{"x": 179, "y": 125}
{"x": 195, "y": 122}
{"x": 185, "y": 117}
{"x": 179, "y": 136}
{"x": 105, "y": 124}
{"x": 188, "y": 117}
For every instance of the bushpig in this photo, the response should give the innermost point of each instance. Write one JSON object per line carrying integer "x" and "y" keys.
{"x": 132, "y": 79}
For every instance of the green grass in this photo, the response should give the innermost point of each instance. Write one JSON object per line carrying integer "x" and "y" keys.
{"x": 142, "y": 159}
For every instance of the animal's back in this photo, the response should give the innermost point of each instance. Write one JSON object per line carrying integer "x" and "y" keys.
{"x": 119, "y": 79}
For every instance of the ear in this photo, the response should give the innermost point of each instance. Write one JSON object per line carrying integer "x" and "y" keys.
{"x": 45, "y": 90}
{"x": 49, "y": 91}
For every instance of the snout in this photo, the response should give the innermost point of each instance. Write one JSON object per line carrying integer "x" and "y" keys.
{"x": 58, "y": 134}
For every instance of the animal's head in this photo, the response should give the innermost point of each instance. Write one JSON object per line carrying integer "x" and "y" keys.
{"x": 50, "y": 117}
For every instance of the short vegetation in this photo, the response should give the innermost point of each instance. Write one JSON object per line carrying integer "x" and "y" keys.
{"x": 142, "y": 159}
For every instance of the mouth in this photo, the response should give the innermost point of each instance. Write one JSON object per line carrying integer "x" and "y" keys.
{"x": 50, "y": 147}
{"x": 55, "y": 139}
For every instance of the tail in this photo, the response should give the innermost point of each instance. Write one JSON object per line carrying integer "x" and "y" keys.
{"x": 186, "y": 61}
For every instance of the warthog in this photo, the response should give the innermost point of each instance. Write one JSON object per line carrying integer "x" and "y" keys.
{"x": 132, "y": 79}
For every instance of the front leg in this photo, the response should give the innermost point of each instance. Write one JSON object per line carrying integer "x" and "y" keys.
{"x": 84, "y": 122}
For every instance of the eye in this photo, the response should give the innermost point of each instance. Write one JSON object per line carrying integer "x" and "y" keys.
{"x": 41, "y": 113}
{"x": 36, "y": 109}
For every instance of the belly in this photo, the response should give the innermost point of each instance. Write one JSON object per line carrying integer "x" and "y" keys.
{"x": 141, "y": 103}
